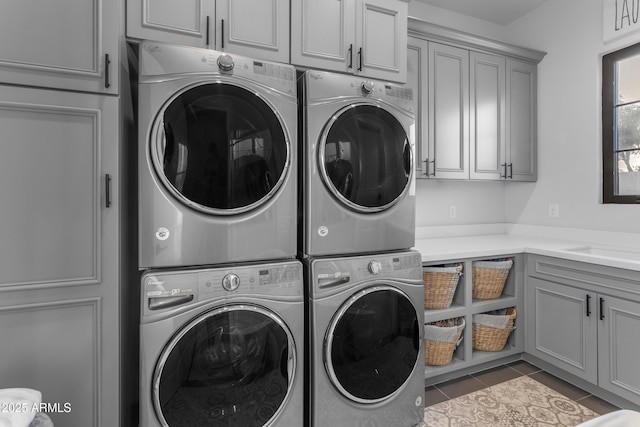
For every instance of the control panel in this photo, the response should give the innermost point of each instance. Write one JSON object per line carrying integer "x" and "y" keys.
{"x": 164, "y": 290}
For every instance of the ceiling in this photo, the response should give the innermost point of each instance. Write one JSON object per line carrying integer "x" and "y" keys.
{"x": 500, "y": 12}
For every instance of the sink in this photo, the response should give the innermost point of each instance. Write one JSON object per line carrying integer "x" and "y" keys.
{"x": 609, "y": 252}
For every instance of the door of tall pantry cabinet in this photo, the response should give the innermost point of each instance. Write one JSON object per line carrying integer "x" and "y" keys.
{"x": 362, "y": 37}
{"x": 254, "y": 29}
{"x": 59, "y": 263}
{"x": 62, "y": 44}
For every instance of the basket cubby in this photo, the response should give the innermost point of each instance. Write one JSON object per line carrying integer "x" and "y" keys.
{"x": 463, "y": 305}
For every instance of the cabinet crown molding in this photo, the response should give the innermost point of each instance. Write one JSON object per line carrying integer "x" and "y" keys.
{"x": 434, "y": 32}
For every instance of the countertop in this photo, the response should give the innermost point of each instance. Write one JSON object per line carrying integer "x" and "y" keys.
{"x": 614, "y": 249}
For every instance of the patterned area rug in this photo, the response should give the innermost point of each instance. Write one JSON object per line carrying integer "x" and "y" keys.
{"x": 521, "y": 402}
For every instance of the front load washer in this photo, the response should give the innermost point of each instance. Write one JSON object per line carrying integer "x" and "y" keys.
{"x": 217, "y": 162}
{"x": 223, "y": 346}
{"x": 365, "y": 346}
{"x": 358, "y": 183}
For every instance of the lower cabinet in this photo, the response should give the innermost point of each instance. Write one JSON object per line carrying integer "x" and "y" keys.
{"x": 465, "y": 307}
{"x": 584, "y": 319}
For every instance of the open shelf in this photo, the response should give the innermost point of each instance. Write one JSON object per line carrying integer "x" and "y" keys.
{"x": 464, "y": 305}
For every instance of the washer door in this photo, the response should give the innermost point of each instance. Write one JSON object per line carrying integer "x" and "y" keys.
{"x": 371, "y": 346}
{"x": 365, "y": 158}
{"x": 233, "y": 366}
{"x": 220, "y": 148}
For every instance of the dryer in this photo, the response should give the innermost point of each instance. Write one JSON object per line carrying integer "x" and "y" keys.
{"x": 358, "y": 183}
{"x": 222, "y": 346}
{"x": 217, "y": 157}
{"x": 365, "y": 341}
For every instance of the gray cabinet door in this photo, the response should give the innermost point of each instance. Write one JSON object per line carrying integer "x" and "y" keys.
{"x": 59, "y": 252}
{"x": 487, "y": 117}
{"x": 417, "y": 69}
{"x": 449, "y": 110}
{"x": 521, "y": 95}
{"x": 562, "y": 327}
{"x": 60, "y": 44}
{"x": 619, "y": 347}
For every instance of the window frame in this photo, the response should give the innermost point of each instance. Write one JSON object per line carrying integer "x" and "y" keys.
{"x": 609, "y": 96}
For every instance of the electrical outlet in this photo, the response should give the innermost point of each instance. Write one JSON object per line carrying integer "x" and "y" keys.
{"x": 554, "y": 210}
{"x": 452, "y": 211}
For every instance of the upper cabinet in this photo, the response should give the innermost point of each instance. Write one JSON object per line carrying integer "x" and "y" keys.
{"x": 363, "y": 37}
{"x": 67, "y": 44}
{"x": 246, "y": 27}
{"x": 476, "y": 105}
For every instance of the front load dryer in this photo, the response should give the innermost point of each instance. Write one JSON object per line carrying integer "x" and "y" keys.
{"x": 358, "y": 183}
{"x": 365, "y": 341}
{"x": 223, "y": 347}
{"x": 217, "y": 162}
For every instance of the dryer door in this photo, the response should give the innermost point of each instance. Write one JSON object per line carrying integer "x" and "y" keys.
{"x": 372, "y": 344}
{"x": 366, "y": 158}
{"x": 220, "y": 148}
{"x": 233, "y": 366}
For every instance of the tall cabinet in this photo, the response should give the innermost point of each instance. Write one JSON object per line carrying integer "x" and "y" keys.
{"x": 60, "y": 216}
{"x": 477, "y": 99}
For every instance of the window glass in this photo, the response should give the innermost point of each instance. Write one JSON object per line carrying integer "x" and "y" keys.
{"x": 621, "y": 126}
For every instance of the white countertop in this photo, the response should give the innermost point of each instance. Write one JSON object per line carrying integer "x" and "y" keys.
{"x": 614, "y": 249}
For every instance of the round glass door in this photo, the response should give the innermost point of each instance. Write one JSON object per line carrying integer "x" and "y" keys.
{"x": 233, "y": 366}
{"x": 220, "y": 148}
{"x": 372, "y": 344}
{"x": 365, "y": 158}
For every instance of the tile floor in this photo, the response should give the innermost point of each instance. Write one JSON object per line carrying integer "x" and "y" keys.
{"x": 470, "y": 383}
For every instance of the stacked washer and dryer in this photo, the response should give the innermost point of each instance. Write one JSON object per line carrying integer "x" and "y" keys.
{"x": 364, "y": 290}
{"x": 222, "y": 300}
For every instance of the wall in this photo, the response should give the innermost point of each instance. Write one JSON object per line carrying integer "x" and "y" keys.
{"x": 569, "y": 122}
{"x": 475, "y": 202}
{"x": 569, "y": 127}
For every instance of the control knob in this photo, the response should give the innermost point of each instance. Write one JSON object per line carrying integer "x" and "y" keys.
{"x": 230, "y": 282}
{"x": 374, "y": 267}
{"x": 367, "y": 87}
{"x": 225, "y": 62}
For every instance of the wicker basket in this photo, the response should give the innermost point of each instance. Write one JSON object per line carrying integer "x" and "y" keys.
{"x": 438, "y": 350}
{"x": 487, "y": 338}
{"x": 489, "y": 277}
{"x": 440, "y": 285}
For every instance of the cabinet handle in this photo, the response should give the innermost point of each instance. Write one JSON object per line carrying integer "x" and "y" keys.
{"x": 350, "y": 56}
{"x": 222, "y": 34}
{"x": 588, "y": 305}
{"x": 601, "y": 308}
{"x": 360, "y": 59}
{"x": 107, "y": 65}
{"x": 107, "y": 190}
{"x": 207, "y": 32}
{"x": 504, "y": 166}
{"x": 426, "y": 167}
{"x": 510, "y": 171}
{"x": 434, "y": 167}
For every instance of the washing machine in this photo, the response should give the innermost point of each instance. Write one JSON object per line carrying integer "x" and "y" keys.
{"x": 365, "y": 341}
{"x": 222, "y": 346}
{"x": 217, "y": 157}
{"x": 358, "y": 181}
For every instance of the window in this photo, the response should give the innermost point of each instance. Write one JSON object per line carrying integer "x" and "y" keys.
{"x": 621, "y": 126}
